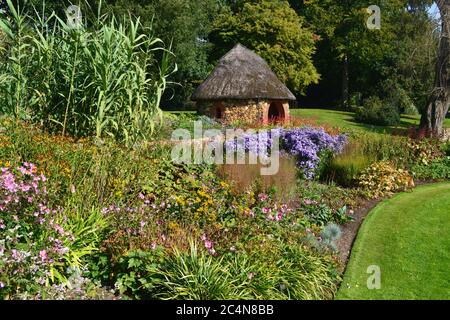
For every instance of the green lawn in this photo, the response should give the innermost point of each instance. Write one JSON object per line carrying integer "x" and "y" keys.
{"x": 408, "y": 238}
{"x": 344, "y": 120}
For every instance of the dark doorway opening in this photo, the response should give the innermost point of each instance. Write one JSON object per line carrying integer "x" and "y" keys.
{"x": 276, "y": 111}
{"x": 218, "y": 113}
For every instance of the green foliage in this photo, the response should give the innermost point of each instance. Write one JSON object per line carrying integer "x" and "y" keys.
{"x": 88, "y": 230}
{"x": 436, "y": 169}
{"x": 399, "y": 52}
{"x": 104, "y": 81}
{"x": 378, "y": 112}
{"x": 274, "y": 30}
{"x": 329, "y": 235}
{"x": 138, "y": 273}
{"x": 320, "y": 214}
{"x": 185, "y": 24}
{"x": 295, "y": 273}
{"x": 197, "y": 276}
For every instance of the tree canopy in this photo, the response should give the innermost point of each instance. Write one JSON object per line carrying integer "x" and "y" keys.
{"x": 273, "y": 30}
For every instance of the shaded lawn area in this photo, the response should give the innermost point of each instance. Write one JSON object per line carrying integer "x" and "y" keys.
{"x": 408, "y": 238}
{"x": 344, "y": 120}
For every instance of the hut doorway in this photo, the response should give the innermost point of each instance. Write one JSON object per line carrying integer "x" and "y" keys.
{"x": 218, "y": 112}
{"x": 276, "y": 112}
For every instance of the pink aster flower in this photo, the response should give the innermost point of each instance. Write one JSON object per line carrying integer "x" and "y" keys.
{"x": 43, "y": 255}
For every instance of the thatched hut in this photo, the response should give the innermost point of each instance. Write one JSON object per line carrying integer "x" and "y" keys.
{"x": 243, "y": 88}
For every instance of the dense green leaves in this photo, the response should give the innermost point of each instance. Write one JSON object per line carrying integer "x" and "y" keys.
{"x": 274, "y": 30}
{"x": 103, "y": 80}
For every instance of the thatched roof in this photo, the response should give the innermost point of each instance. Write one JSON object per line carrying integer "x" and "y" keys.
{"x": 241, "y": 75}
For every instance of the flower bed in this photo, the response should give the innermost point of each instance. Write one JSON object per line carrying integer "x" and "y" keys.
{"x": 306, "y": 144}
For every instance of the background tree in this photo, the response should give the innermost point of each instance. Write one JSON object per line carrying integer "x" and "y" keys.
{"x": 185, "y": 25}
{"x": 349, "y": 51}
{"x": 434, "y": 113}
{"x": 273, "y": 30}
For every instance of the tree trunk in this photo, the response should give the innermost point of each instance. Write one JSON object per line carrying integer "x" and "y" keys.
{"x": 345, "y": 83}
{"x": 434, "y": 114}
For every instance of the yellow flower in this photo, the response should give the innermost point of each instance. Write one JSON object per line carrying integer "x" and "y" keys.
{"x": 224, "y": 184}
{"x": 173, "y": 226}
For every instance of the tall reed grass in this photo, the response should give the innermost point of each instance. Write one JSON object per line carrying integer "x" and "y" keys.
{"x": 104, "y": 80}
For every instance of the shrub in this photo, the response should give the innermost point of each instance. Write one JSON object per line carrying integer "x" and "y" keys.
{"x": 383, "y": 179}
{"x": 401, "y": 151}
{"x": 333, "y": 196}
{"x": 330, "y": 234}
{"x": 446, "y": 148}
{"x": 436, "y": 169}
{"x": 320, "y": 214}
{"x": 378, "y": 112}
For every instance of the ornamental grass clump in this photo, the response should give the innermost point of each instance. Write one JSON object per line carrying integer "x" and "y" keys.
{"x": 105, "y": 80}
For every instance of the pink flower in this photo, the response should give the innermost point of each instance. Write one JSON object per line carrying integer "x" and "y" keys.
{"x": 266, "y": 210}
{"x": 251, "y": 275}
{"x": 153, "y": 245}
{"x": 263, "y": 197}
{"x": 203, "y": 237}
{"x": 208, "y": 244}
{"x": 279, "y": 216}
{"x": 43, "y": 255}
{"x": 212, "y": 252}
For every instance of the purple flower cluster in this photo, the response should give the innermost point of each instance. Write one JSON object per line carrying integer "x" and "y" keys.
{"x": 259, "y": 143}
{"x": 305, "y": 143}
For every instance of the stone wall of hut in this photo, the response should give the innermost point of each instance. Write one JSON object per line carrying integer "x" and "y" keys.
{"x": 246, "y": 112}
